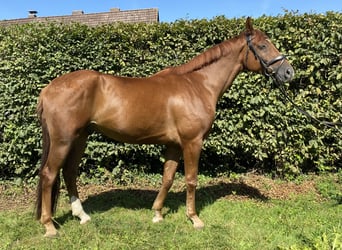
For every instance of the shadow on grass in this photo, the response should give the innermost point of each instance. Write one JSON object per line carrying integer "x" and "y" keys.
{"x": 143, "y": 199}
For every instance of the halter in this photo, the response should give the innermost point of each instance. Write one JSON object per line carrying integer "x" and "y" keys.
{"x": 270, "y": 72}
{"x": 266, "y": 66}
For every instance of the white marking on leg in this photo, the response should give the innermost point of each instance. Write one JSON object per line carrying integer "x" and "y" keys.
{"x": 77, "y": 210}
{"x": 158, "y": 217}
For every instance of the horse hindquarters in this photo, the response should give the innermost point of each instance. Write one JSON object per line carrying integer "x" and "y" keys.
{"x": 63, "y": 146}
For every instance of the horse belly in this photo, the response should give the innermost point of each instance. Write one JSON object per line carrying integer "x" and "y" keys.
{"x": 137, "y": 130}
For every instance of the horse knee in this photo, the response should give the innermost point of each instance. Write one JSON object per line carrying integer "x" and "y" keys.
{"x": 191, "y": 182}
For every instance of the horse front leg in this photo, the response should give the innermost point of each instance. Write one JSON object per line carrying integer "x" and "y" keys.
{"x": 172, "y": 157}
{"x": 191, "y": 154}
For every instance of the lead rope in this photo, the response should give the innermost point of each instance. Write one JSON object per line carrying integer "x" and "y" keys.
{"x": 329, "y": 124}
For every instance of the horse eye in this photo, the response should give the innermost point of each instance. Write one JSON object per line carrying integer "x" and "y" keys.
{"x": 262, "y": 46}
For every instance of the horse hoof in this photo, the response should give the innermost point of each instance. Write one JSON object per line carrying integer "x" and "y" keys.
{"x": 157, "y": 219}
{"x": 197, "y": 223}
{"x": 51, "y": 235}
{"x": 199, "y": 226}
{"x": 85, "y": 219}
{"x": 50, "y": 230}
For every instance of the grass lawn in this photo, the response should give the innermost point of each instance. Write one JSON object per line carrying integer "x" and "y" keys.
{"x": 249, "y": 212}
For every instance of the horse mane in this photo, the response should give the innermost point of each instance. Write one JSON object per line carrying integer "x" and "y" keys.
{"x": 200, "y": 61}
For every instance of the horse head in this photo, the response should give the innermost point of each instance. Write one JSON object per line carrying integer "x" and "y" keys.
{"x": 265, "y": 57}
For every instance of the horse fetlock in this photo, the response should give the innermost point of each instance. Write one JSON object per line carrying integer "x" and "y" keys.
{"x": 45, "y": 220}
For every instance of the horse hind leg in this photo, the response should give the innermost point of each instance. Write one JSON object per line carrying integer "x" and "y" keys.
{"x": 48, "y": 188}
{"x": 172, "y": 157}
{"x": 70, "y": 173}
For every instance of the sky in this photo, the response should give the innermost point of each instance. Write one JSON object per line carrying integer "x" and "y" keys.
{"x": 169, "y": 10}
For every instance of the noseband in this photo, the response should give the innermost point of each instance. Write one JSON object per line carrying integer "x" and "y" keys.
{"x": 266, "y": 66}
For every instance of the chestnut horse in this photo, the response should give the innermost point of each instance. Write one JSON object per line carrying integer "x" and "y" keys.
{"x": 174, "y": 107}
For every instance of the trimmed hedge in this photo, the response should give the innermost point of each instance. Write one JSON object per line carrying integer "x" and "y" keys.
{"x": 254, "y": 129}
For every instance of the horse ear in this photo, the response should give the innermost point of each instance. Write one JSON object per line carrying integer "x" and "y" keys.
{"x": 249, "y": 25}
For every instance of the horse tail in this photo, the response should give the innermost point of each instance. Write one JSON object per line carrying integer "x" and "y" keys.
{"x": 45, "y": 154}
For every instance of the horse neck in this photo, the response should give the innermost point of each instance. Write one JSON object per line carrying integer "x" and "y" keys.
{"x": 221, "y": 73}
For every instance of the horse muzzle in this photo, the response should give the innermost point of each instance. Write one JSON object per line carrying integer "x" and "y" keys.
{"x": 283, "y": 73}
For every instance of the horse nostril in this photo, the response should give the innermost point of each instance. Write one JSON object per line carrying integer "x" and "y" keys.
{"x": 289, "y": 72}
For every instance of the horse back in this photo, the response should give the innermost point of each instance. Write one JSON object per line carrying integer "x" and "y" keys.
{"x": 156, "y": 109}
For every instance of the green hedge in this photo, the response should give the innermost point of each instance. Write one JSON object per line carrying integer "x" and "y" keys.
{"x": 254, "y": 129}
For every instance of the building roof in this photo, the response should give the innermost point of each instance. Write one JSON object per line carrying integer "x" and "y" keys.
{"x": 93, "y": 19}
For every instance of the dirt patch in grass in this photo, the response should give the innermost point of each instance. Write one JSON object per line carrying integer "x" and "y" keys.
{"x": 278, "y": 189}
{"x": 249, "y": 186}
{"x": 14, "y": 197}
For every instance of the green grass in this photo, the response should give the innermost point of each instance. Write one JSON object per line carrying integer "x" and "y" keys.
{"x": 121, "y": 219}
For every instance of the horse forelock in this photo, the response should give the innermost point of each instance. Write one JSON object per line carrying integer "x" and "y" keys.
{"x": 206, "y": 58}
